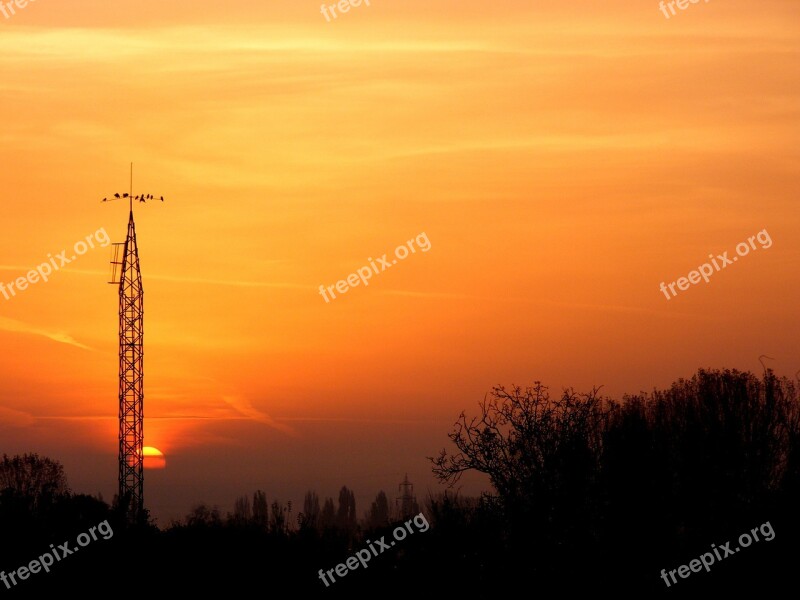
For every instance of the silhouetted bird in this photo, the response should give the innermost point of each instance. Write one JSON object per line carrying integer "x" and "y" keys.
{"x": 116, "y": 195}
{"x": 162, "y": 198}
{"x": 125, "y": 195}
{"x": 141, "y": 200}
{"x": 104, "y": 200}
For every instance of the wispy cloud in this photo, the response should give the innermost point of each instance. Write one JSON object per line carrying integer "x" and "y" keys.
{"x": 14, "y": 326}
{"x": 15, "y": 418}
{"x": 170, "y": 278}
{"x": 261, "y": 284}
{"x": 246, "y": 409}
{"x": 428, "y": 294}
{"x": 352, "y": 420}
{"x": 543, "y": 301}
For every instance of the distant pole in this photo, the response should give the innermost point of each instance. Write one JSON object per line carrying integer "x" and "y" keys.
{"x": 406, "y": 501}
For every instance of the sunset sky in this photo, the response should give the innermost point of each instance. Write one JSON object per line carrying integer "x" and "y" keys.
{"x": 562, "y": 158}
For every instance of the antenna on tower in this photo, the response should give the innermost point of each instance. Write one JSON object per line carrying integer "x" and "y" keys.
{"x": 142, "y": 198}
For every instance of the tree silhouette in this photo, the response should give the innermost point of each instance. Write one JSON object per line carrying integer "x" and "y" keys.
{"x": 327, "y": 518}
{"x": 346, "y": 514}
{"x": 278, "y": 522}
{"x": 378, "y": 515}
{"x": 38, "y": 480}
{"x": 309, "y": 518}
{"x": 584, "y": 483}
{"x": 242, "y": 514}
{"x": 203, "y": 515}
{"x": 260, "y": 510}
{"x": 541, "y": 455}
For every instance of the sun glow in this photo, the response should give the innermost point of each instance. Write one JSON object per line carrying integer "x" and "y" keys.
{"x": 154, "y": 458}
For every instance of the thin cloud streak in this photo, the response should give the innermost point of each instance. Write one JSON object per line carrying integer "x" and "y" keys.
{"x": 220, "y": 282}
{"x": 14, "y": 326}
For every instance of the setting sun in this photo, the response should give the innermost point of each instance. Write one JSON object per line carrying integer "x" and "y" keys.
{"x": 154, "y": 458}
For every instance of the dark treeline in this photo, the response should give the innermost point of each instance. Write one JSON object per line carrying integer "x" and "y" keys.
{"x": 588, "y": 494}
{"x": 596, "y": 494}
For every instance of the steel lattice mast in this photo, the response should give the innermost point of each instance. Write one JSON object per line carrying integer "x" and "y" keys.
{"x": 127, "y": 275}
{"x": 131, "y": 374}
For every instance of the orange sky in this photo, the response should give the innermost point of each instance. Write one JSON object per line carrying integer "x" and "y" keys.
{"x": 562, "y": 160}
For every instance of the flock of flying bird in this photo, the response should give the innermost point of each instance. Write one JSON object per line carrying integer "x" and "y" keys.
{"x": 140, "y": 198}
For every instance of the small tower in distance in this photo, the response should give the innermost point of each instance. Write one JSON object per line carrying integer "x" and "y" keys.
{"x": 406, "y": 502}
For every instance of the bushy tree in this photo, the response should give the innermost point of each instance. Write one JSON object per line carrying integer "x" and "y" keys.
{"x": 378, "y": 515}
{"x": 242, "y": 513}
{"x": 260, "y": 510}
{"x": 203, "y": 515}
{"x": 40, "y": 480}
{"x": 541, "y": 455}
{"x": 346, "y": 514}
{"x": 309, "y": 518}
{"x": 327, "y": 518}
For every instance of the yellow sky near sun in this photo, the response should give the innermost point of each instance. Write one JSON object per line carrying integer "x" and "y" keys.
{"x": 562, "y": 160}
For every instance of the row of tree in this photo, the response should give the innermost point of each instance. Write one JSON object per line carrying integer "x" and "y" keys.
{"x": 276, "y": 517}
{"x": 584, "y": 483}
{"x": 588, "y": 494}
